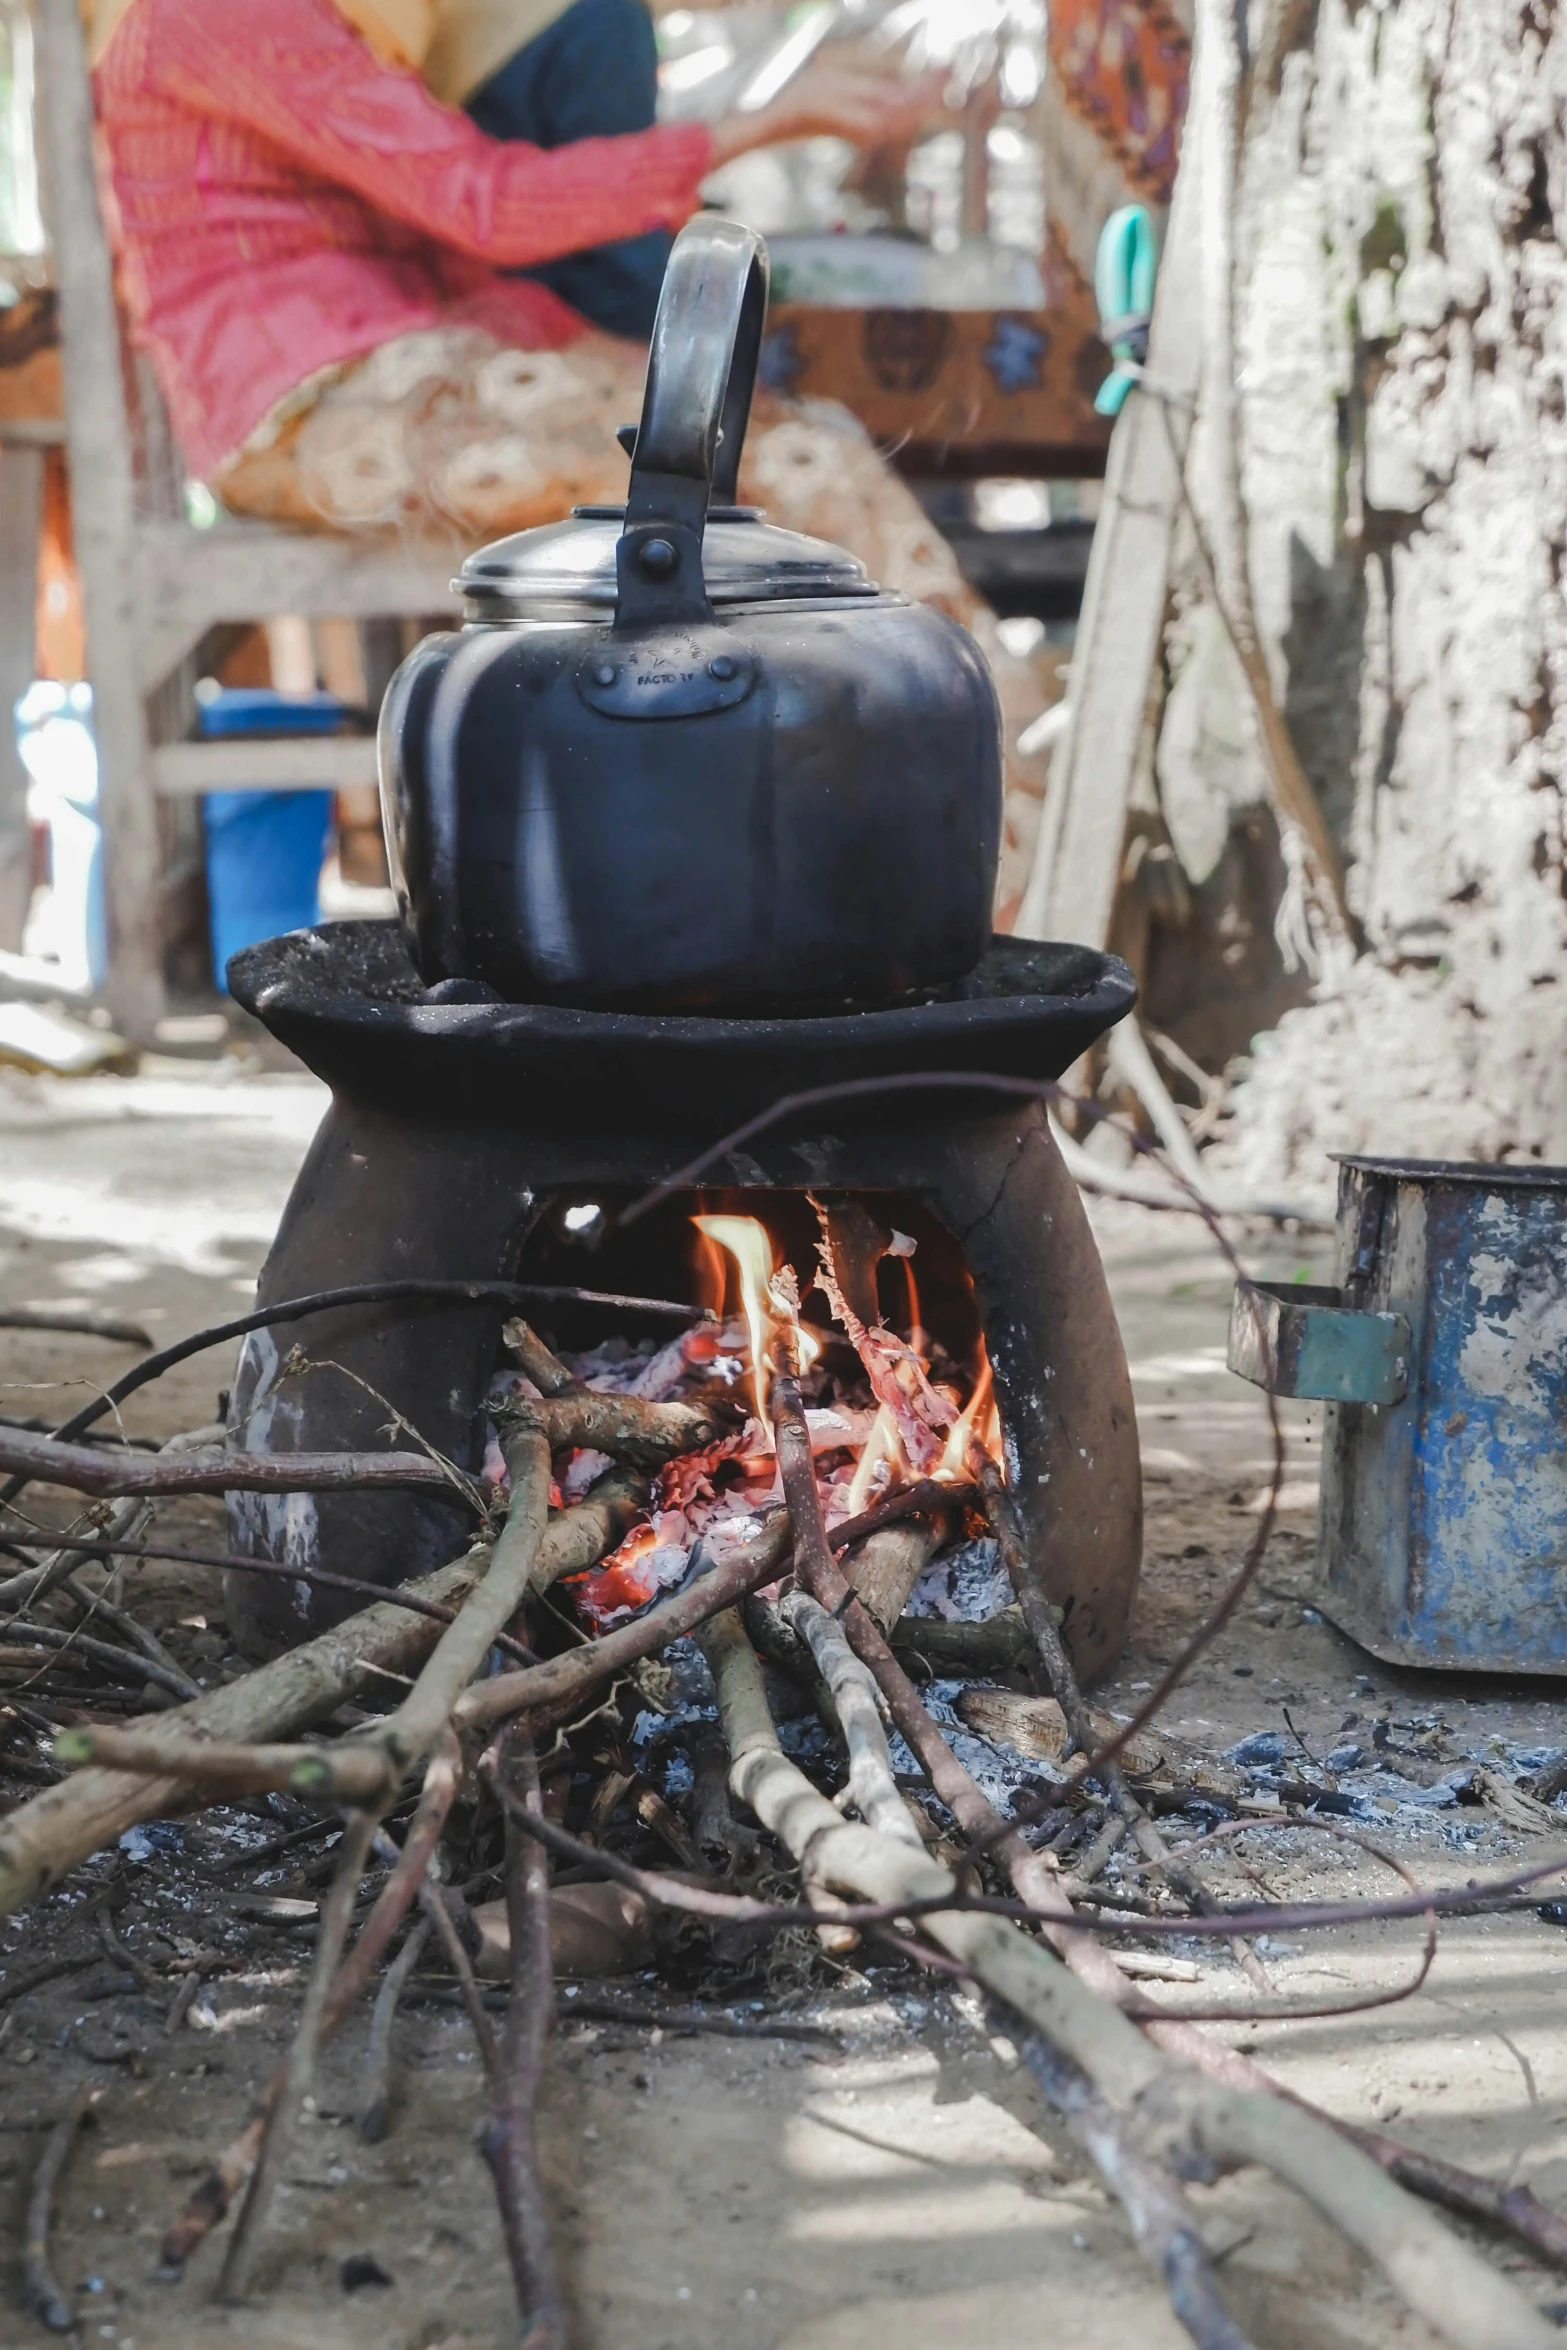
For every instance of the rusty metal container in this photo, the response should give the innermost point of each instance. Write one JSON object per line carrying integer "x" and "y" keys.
{"x": 1441, "y": 1357}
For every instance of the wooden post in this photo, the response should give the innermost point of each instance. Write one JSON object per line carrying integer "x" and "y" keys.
{"x": 1077, "y": 864}
{"x": 104, "y": 522}
{"x": 21, "y": 520}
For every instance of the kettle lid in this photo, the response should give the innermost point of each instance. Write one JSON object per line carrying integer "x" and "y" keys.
{"x": 562, "y": 565}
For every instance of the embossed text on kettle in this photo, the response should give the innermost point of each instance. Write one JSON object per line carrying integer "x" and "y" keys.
{"x": 682, "y": 678}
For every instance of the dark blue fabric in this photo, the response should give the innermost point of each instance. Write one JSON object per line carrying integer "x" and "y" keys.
{"x": 592, "y": 74}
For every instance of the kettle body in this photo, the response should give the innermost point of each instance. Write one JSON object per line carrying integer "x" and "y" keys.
{"x": 679, "y": 761}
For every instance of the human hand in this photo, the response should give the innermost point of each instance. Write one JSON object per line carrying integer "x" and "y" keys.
{"x": 834, "y": 101}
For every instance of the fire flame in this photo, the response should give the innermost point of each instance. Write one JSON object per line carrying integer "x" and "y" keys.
{"x": 750, "y": 1245}
{"x": 881, "y": 1445}
{"x": 747, "y": 1242}
{"x": 972, "y": 1427}
{"x": 917, "y": 1429}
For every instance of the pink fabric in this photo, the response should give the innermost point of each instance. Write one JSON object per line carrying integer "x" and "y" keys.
{"x": 282, "y": 203}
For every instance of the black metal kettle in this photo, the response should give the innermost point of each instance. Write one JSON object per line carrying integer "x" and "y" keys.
{"x": 677, "y": 760}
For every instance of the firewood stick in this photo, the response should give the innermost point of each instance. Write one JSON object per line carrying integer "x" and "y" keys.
{"x": 43, "y": 1838}
{"x": 1037, "y": 1884}
{"x": 885, "y": 1566}
{"x": 1182, "y": 2114}
{"x": 207, "y": 2206}
{"x": 294, "y": 1309}
{"x": 41, "y": 2294}
{"x": 380, "y": 1759}
{"x": 556, "y": 1687}
{"x": 872, "y": 1790}
{"x": 299, "y": 2069}
{"x": 22, "y": 1588}
{"x": 375, "y": 2094}
{"x": 83, "y": 1468}
{"x": 626, "y": 1425}
{"x": 1162, "y": 2221}
{"x": 215, "y": 1771}
{"x": 911, "y": 1501}
{"x": 438, "y": 1913}
{"x": 965, "y": 1652}
{"x": 509, "y": 2139}
{"x": 534, "y": 1359}
{"x": 1032, "y": 1878}
{"x": 629, "y": 1426}
{"x": 545, "y": 1692}
{"x": 130, "y": 1663}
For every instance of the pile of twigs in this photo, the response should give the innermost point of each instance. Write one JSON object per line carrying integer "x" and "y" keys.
{"x": 1153, "y": 2099}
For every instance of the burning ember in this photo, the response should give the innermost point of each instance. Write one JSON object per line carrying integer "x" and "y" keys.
{"x": 884, "y": 1407}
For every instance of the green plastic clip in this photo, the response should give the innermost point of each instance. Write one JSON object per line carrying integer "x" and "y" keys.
{"x": 1124, "y": 270}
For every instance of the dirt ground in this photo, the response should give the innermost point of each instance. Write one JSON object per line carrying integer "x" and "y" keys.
{"x": 898, "y": 2185}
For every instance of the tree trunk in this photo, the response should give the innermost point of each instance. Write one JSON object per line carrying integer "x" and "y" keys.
{"x": 1398, "y": 294}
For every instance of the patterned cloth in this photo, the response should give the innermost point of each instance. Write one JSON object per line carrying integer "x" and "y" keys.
{"x": 1122, "y": 67}
{"x": 285, "y": 205}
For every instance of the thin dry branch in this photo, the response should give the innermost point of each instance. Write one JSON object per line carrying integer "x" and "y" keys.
{"x": 82, "y": 1323}
{"x": 211, "y": 2199}
{"x": 872, "y": 1789}
{"x": 509, "y": 2139}
{"x": 26, "y": 1586}
{"x": 363, "y": 1293}
{"x": 45, "y": 1837}
{"x": 130, "y": 1663}
{"x": 41, "y": 2294}
{"x": 625, "y": 1425}
{"x": 1182, "y": 2119}
{"x": 546, "y": 1692}
{"x": 1161, "y": 2220}
{"x": 1039, "y": 1616}
{"x": 534, "y": 1359}
{"x": 375, "y": 2095}
{"x": 86, "y": 1469}
{"x": 408, "y": 1734}
{"x": 299, "y": 2071}
{"x": 437, "y": 1906}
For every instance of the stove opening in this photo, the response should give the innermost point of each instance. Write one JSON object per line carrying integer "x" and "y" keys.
{"x": 895, "y": 1377}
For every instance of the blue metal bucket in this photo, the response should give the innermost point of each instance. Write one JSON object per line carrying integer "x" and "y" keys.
{"x": 1441, "y": 1356}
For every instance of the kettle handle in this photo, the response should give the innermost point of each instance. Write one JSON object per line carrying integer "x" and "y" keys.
{"x": 701, "y": 374}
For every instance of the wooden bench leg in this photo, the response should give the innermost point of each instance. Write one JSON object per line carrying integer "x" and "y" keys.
{"x": 104, "y": 520}
{"x": 21, "y": 519}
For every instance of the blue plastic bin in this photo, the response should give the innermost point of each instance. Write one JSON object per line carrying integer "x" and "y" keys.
{"x": 262, "y": 710}
{"x": 264, "y": 854}
{"x": 264, "y": 848}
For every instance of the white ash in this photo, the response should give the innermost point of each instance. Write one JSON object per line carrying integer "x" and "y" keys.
{"x": 999, "y": 1771}
{"x": 611, "y": 1366}
{"x": 1362, "y": 1781}
{"x": 965, "y": 1585}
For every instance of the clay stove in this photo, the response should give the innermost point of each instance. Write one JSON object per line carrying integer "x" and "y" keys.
{"x": 461, "y": 1132}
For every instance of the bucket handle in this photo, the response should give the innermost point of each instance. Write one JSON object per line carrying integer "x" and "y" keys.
{"x": 1309, "y": 1342}
{"x": 701, "y": 374}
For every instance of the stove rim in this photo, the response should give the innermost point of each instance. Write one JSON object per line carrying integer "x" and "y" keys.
{"x": 271, "y": 978}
